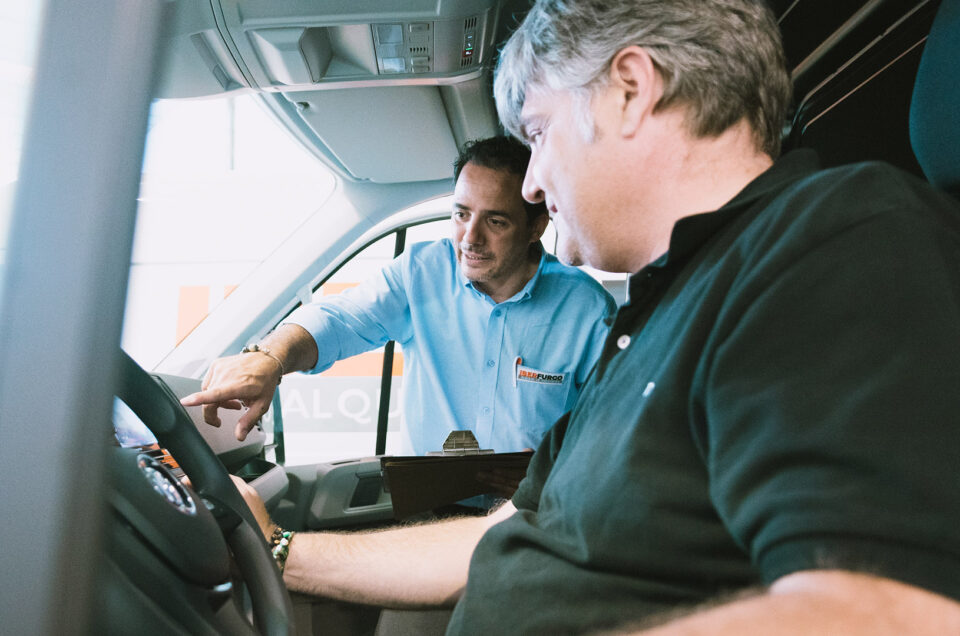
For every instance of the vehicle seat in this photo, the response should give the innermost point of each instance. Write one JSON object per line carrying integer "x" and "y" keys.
{"x": 935, "y": 106}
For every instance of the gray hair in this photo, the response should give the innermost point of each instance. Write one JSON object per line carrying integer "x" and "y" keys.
{"x": 722, "y": 59}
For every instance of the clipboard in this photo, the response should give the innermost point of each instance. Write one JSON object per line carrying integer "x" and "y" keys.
{"x": 422, "y": 483}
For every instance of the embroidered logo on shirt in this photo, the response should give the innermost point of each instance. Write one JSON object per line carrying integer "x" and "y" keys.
{"x": 527, "y": 374}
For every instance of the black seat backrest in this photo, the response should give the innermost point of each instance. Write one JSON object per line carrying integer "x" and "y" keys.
{"x": 935, "y": 111}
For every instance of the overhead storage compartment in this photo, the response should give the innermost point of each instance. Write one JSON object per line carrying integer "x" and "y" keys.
{"x": 227, "y": 45}
{"x": 308, "y": 45}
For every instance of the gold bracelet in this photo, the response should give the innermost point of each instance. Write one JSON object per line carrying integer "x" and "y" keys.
{"x": 255, "y": 348}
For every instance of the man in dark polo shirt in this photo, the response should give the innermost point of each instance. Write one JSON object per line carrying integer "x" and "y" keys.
{"x": 768, "y": 443}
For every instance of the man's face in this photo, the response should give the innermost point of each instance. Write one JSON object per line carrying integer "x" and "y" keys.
{"x": 490, "y": 230}
{"x": 572, "y": 174}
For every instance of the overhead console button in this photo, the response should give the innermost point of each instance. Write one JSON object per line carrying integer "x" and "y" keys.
{"x": 389, "y": 34}
{"x": 393, "y": 64}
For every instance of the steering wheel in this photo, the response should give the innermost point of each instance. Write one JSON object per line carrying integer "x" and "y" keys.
{"x": 192, "y": 536}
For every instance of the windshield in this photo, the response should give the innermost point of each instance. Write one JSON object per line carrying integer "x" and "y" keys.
{"x": 222, "y": 187}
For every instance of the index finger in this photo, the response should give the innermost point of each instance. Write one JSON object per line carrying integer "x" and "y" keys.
{"x": 212, "y": 396}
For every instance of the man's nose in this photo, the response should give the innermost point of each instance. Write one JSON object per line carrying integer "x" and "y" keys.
{"x": 531, "y": 189}
{"x": 471, "y": 232}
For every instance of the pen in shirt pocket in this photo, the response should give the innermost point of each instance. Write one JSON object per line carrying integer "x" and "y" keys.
{"x": 516, "y": 369}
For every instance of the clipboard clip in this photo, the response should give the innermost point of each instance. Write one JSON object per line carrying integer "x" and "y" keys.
{"x": 461, "y": 443}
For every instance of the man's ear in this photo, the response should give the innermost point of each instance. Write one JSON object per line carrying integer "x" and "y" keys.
{"x": 637, "y": 85}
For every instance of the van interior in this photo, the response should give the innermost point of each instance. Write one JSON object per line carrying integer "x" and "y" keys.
{"x": 380, "y": 93}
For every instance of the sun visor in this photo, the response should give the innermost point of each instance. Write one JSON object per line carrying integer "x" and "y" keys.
{"x": 357, "y": 123}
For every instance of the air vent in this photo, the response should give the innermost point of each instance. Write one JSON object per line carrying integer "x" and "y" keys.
{"x": 469, "y": 42}
{"x": 419, "y": 50}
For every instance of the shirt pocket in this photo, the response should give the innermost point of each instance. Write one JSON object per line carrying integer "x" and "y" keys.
{"x": 544, "y": 377}
{"x": 544, "y": 394}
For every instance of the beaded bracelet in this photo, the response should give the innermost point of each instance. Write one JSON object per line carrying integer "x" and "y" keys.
{"x": 280, "y": 546}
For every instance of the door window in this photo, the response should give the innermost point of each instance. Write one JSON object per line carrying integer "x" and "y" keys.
{"x": 333, "y": 415}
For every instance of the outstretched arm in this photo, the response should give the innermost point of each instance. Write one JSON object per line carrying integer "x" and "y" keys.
{"x": 250, "y": 379}
{"x": 406, "y": 567}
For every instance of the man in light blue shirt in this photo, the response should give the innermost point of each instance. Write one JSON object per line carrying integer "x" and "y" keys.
{"x": 498, "y": 336}
{"x": 461, "y": 347}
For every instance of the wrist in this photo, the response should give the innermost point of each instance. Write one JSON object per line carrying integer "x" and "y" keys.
{"x": 255, "y": 348}
{"x": 294, "y": 345}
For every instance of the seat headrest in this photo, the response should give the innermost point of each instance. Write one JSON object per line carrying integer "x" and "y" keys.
{"x": 935, "y": 106}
